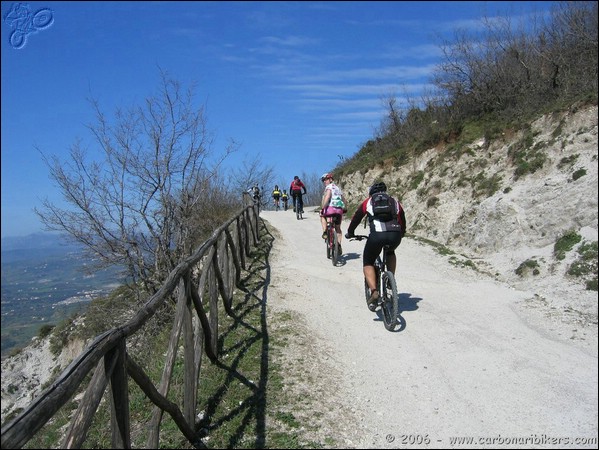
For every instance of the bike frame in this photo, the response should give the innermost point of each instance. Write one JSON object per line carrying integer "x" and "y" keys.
{"x": 298, "y": 211}
{"x": 386, "y": 284}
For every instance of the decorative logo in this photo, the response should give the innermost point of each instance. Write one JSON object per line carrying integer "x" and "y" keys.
{"x": 25, "y": 23}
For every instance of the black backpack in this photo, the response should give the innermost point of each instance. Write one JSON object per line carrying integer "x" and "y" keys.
{"x": 383, "y": 207}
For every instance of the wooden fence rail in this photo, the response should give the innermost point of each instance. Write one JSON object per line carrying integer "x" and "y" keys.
{"x": 212, "y": 272}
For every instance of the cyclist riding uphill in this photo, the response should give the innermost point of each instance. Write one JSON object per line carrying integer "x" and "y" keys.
{"x": 295, "y": 189}
{"x": 255, "y": 193}
{"x": 387, "y": 222}
{"x": 276, "y": 195}
{"x": 285, "y": 198}
{"x": 332, "y": 205}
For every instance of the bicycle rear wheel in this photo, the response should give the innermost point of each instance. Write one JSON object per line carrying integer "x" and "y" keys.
{"x": 366, "y": 291}
{"x": 335, "y": 248}
{"x": 390, "y": 305}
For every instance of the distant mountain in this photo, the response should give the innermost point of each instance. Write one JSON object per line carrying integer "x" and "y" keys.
{"x": 37, "y": 241}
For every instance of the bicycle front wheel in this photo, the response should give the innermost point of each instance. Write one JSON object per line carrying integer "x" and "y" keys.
{"x": 390, "y": 301}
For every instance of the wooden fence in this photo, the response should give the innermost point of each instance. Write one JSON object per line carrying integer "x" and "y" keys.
{"x": 212, "y": 272}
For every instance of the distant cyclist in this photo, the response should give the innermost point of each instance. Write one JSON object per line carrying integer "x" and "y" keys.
{"x": 296, "y": 188}
{"x": 255, "y": 193}
{"x": 276, "y": 196}
{"x": 285, "y": 198}
{"x": 387, "y": 221}
{"x": 332, "y": 205}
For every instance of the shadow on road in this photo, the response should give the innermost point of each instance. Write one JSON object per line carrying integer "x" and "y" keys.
{"x": 406, "y": 303}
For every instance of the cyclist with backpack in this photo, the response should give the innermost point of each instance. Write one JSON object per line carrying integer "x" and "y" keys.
{"x": 332, "y": 205}
{"x": 296, "y": 188}
{"x": 387, "y": 221}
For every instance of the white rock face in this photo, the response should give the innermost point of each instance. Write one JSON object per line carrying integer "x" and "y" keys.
{"x": 525, "y": 216}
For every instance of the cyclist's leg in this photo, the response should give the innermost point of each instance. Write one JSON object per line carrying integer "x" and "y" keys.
{"x": 392, "y": 239}
{"x": 370, "y": 276}
{"x": 369, "y": 255}
{"x": 301, "y": 202}
{"x": 323, "y": 223}
{"x": 338, "y": 228}
{"x": 391, "y": 262}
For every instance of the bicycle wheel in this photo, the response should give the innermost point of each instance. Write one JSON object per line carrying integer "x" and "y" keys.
{"x": 389, "y": 306}
{"x": 366, "y": 291}
{"x": 335, "y": 246}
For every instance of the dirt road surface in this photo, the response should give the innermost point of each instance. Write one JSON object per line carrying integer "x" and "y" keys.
{"x": 471, "y": 365}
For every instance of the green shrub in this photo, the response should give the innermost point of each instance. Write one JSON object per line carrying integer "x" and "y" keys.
{"x": 565, "y": 243}
{"x": 579, "y": 173}
{"x": 586, "y": 264}
{"x": 529, "y": 264}
{"x": 416, "y": 179}
{"x": 567, "y": 161}
{"x": 45, "y": 330}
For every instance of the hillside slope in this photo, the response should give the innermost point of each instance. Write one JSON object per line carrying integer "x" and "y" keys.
{"x": 524, "y": 217}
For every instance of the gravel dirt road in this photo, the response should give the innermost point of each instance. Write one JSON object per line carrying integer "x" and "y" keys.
{"x": 473, "y": 364}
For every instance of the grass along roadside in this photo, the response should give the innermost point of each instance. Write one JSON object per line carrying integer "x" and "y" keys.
{"x": 265, "y": 392}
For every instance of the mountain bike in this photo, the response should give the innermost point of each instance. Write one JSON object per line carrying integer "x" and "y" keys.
{"x": 332, "y": 241}
{"x": 298, "y": 211}
{"x": 387, "y": 287}
{"x": 276, "y": 204}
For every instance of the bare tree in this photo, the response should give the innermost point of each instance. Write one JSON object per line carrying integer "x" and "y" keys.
{"x": 136, "y": 204}
{"x": 314, "y": 187}
{"x": 253, "y": 172}
{"x": 567, "y": 47}
{"x": 516, "y": 70}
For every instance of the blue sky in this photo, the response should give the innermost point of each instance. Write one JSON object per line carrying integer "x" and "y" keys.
{"x": 297, "y": 83}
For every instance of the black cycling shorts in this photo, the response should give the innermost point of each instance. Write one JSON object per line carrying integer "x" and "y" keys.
{"x": 376, "y": 242}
